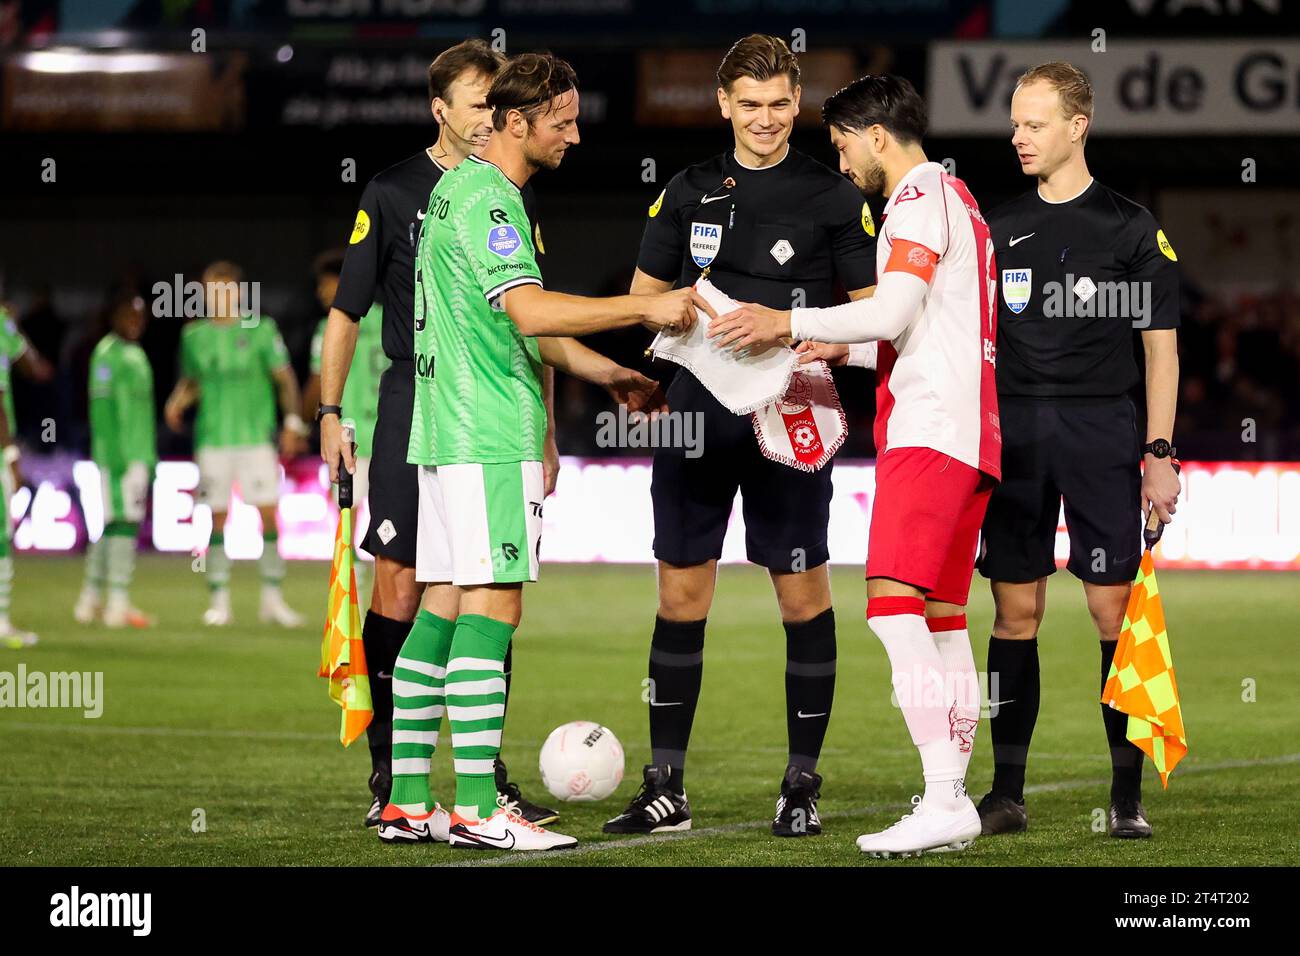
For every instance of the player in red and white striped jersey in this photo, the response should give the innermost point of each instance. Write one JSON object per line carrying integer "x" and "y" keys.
{"x": 938, "y": 442}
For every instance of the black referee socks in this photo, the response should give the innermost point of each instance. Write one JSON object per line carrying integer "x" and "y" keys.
{"x": 676, "y": 669}
{"x": 1015, "y": 665}
{"x": 809, "y": 686}
{"x": 382, "y": 638}
{"x": 1125, "y": 757}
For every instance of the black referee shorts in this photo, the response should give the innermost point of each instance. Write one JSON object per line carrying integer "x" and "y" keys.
{"x": 394, "y": 492}
{"x": 1085, "y": 453}
{"x": 786, "y": 510}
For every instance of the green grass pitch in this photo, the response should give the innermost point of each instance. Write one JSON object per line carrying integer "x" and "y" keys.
{"x": 236, "y": 724}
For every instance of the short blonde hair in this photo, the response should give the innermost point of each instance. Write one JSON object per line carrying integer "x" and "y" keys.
{"x": 1070, "y": 82}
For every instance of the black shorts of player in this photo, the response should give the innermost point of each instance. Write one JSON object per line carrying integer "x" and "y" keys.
{"x": 785, "y": 510}
{"x": 394, "y": 490}
{"x": 1085, "y": 453}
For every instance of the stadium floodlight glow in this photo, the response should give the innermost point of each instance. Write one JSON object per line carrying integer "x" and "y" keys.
{"x": 75, "y": 60}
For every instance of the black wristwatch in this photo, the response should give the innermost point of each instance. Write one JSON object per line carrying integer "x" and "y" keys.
{"x": 1160, "y": 448}
{"x": 323, "y": 410}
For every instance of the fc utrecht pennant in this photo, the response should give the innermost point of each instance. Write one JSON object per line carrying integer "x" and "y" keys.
{"x": 342, "y": 656}
{"x": 806, "y": 427}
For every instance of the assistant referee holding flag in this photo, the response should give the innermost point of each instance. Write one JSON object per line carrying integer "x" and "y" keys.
{"x": 1081, "y": 268}
{"x": 786, "y": 222}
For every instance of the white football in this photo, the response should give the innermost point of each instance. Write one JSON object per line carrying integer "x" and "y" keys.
{"x": 581, "y": 761}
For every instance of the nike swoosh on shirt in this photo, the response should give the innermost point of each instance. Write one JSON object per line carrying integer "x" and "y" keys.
{"x": 382, "y": 676}
{"x": 1016, "y": 239}
{"x": 805, "y": 716}
{"x": 666, "y": 703}
{"x": 999, "y": 703}
{"x": 708, "y": 199}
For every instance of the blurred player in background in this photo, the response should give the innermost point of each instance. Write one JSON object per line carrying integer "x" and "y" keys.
{"x": 477, "y": 434}
{"x": 380, "y": 267}
{"x": 234, "y": 367}
{"x": 123, "y": 447}
{"x": 15, "y": 352}
{"x": 1063, "y": 387}
{"x": 360, "y": 394}
{"x": 789, "y": 225}
{"x": 938, "y": 444}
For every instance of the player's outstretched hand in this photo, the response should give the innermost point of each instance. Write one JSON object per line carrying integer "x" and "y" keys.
{"x": 751, "y": 326}
{"x": 331, "y": 447}
{"x": 831, "y": 354}
{"x": 674, "y": 311}
{"x": 640, "y": 394}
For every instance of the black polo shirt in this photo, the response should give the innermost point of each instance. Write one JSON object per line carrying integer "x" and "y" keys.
{"x": 762, "y": 233}
{"x": 1076, "y": 279}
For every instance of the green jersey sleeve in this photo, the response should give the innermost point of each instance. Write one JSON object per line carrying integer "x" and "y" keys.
{"x": 189, "y": 358}
{"x": 498, "y": 243}
{"x": 274, "y": 352}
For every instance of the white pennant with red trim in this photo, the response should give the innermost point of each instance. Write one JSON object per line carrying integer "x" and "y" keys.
{"x": 806, "y": 427}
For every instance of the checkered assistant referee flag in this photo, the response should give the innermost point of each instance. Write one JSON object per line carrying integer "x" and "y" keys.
{"x": 1141, "y": 681}
{"x": 342, "y": 657}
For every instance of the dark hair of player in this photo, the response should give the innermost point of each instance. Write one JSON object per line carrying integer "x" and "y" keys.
{"x": 760, "y": 58}
{"x": 473, "y": 55}
{"x": 328, "y": 263}
{"x": 1070, "y": 82}
{"x": 886, "y": 100}
{"x": 529, "y": 82}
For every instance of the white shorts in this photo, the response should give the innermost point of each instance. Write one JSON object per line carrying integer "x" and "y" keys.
{"x": 125, "y": 495}
{"x": 479, "y": 524}
{"x": 255, "y": 468}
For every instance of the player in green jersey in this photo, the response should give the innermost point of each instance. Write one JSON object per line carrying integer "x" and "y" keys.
{"x": 123, "y": 447}
{"x": 361, "y": 391}
{"x": 235, "y": 367}
{"x": 477, "y": 434}
{"x": 15, "y": 352}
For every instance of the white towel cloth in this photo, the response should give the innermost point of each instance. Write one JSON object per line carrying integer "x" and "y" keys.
{"x": 742, "y": 383}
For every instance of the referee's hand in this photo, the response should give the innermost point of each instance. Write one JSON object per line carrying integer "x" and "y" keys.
{"x": 1160, "y": 488}
{"x": 331, "y": 447}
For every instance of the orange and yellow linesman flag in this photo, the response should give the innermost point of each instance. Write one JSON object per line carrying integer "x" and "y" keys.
{"x": 342, "y": 656}
{"x": 1141, "y": 681}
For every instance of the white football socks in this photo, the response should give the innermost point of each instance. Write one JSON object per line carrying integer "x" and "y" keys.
{"x": 920, "y": 687}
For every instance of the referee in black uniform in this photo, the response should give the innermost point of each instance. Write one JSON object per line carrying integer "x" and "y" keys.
{"x": 1081, "y": 268}
{"x": 380, "y": 265}
{"x": 787, "y": 223}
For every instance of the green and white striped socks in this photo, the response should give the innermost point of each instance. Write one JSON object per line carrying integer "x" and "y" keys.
{"x": 218, "y": 565}
{"x": 118, "y": 548}
{"x": 92, "y": 587}
{"x": 418, "y": 678}
{"x": 271, "y": 564}
{"x": 476, "y": 706}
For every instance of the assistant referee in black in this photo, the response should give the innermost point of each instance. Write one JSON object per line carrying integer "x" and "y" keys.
{"x": 1081, "y": 267}
{"x": 380, "y": 266}
{"x": 767, "y": 221}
